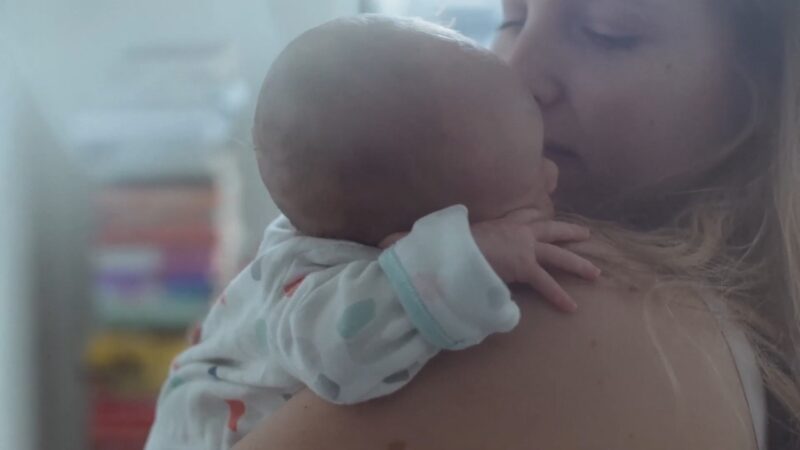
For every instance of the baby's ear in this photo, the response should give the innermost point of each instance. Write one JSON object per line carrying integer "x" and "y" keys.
{"x": 550, "y": 173}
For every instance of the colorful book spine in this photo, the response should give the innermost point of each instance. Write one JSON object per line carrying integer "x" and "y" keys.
{"x": 154, "y": 247}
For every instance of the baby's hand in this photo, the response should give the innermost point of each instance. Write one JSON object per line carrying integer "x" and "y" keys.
{"x": 520, "y": 245}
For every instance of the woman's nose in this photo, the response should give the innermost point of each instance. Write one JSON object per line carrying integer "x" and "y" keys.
{"x": 533, "y": 57}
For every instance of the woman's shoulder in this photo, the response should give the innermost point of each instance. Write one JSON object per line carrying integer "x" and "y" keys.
{"x": 628, "y": 371}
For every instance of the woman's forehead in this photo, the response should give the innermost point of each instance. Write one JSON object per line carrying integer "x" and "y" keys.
{"x": 643, "y": 6}
{"x": 676, "y": 14}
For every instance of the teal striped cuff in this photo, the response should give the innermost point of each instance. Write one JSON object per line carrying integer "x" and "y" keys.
{"x": 417, "y": 312}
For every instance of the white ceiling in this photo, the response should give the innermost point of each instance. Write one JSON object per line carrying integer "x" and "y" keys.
{"x": 72, "y": 53}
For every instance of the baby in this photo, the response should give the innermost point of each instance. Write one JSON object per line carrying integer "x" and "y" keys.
{"x": 407, "y": 162}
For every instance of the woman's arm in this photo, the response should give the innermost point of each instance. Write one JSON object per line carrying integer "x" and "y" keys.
{"x": 622, "y": 373}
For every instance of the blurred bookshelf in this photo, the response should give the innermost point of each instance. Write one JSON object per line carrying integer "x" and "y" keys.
{"x": 159, "y": 152}
{"x": 153, "y": 278}
{"x": 152, "y": 256}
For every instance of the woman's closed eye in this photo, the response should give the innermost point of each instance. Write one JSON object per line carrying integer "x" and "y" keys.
{"x": 511, "y": 25}
{"x": 604, "y": 40}
{"x": 610, "y": 41}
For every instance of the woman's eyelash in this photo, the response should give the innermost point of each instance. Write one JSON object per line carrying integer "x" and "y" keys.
{"x": 612, "y": 42}
{"x": 511, "y": 24}
{"x": 606, "y": 41}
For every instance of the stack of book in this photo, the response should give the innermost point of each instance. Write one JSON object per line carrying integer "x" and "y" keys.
{"x": 153, "y": 280}
{"x": 127, "y": 369}
{"x": 153, "y": 255}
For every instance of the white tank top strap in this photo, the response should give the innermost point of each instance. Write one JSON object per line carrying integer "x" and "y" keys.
{"x": 745, "y": 359}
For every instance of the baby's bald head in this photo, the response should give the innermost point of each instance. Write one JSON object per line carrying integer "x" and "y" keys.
{"x": 366, "y": 124}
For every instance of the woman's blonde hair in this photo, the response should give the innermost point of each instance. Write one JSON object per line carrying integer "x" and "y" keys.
{"x": 738, "y": 233}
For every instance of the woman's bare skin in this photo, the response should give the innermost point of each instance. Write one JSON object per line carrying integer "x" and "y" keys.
{"x": 622, "y": 373}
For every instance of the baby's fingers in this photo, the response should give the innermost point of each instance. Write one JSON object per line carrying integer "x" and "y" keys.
{"x": 553, "y": 231}
{"x": 552, "y": 292}
{"x": 555, "y": 257}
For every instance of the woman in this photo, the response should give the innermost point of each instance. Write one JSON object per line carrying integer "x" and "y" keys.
{"x": 679, "y": 121}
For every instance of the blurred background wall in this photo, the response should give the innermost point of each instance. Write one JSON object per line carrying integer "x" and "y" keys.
{"x": 16, "y": 346}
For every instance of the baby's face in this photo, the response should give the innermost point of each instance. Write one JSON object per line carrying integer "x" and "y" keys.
{"x": 501, "y": 146}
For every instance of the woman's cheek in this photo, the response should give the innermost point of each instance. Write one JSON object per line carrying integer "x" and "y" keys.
{"x": 633, "y": 125}
{"x": 613, "y": 137}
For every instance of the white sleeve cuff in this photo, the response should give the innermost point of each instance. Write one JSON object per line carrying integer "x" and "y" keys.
{"x": 446, "y": 286}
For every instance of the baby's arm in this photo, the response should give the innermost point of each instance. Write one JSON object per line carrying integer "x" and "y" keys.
{"x": 522, "y": 244}
{"x": 352, "y": 330}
